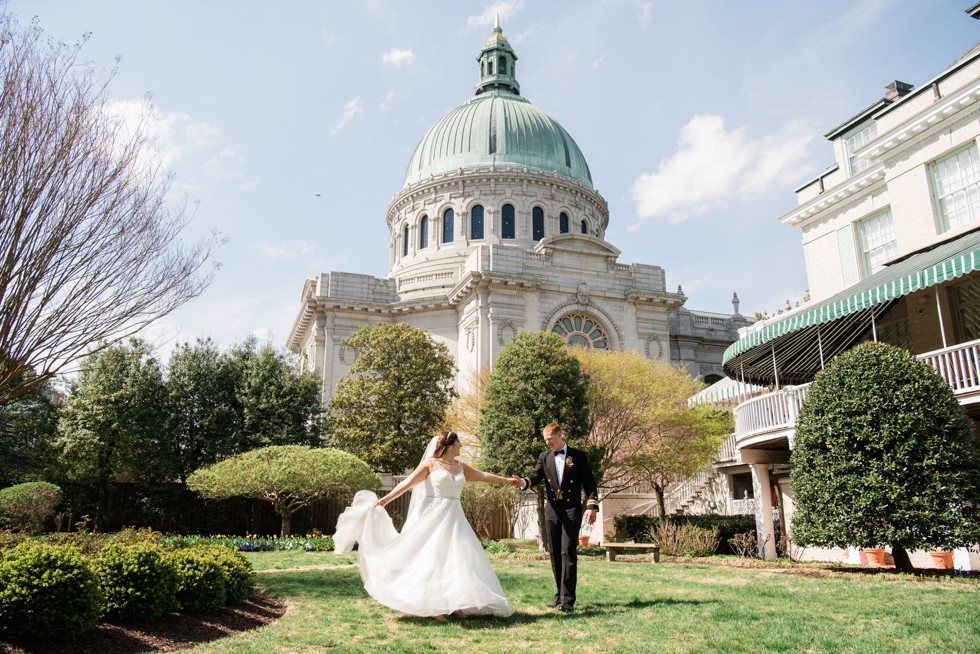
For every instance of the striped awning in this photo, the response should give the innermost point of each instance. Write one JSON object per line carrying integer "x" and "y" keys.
{"x": 800, "y": 342}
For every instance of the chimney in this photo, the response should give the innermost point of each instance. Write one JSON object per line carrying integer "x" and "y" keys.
{"x": 897, "y": 89}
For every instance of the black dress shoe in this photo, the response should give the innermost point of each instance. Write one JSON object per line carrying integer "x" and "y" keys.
{"x": 565, "y": 609}
{"x": 554, "y": 605}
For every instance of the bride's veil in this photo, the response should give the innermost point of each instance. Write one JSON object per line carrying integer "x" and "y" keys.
{"x": 418, "y": 491}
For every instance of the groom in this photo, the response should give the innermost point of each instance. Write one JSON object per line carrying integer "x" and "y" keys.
{"x": 568, "y": 475}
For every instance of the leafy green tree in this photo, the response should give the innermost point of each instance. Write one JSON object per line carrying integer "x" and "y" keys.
{"x": 205, "y": 416}
{"x": 393, "y": 400}
{"x": 535, "y": 380}
{"x": 289, "y": 477}
{"x": 28, "y": 431}
{"x": 885, "y": 455}
{"x": 277, "y": 406}
{"x": 643, "y": 430}
{"x": 113, "y": 422}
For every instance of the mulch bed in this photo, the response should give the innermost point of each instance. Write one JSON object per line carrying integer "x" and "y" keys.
{"x": 172, "y": 632}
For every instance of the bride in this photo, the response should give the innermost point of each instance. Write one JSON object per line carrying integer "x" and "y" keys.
{"x": 436, "y": 566}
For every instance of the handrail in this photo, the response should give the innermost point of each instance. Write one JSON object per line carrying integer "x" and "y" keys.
{"x": 959, "y": 365}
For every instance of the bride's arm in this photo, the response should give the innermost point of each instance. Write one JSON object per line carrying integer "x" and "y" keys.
{"x": 417, "y": 477}
{"x": 472, "y": 474}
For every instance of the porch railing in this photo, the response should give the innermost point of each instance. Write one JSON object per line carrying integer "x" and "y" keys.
{"x": 958, "y": 365}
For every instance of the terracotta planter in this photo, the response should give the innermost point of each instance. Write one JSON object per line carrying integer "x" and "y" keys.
{"x": 942, "y": 560}
{"x": 583, "y": 539}
{"x": 875, "y": 556}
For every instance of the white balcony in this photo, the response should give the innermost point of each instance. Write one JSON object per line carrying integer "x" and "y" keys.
{"x": 770, "y": 419}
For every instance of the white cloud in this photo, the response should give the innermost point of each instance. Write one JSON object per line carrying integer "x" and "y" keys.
{"x": 352, "y": 110}
{"x": 385, "y": 104}
{"x": 598, "y": 62}
{"x": 327, "y": 37}
{"x": 646, "y": 13}
{"x": 170, "y": 136}
{"x": 228, "y": 165}
{"x": 292, "y": 250}
{"x": 712, "y": 164}
{"x": 505, "y": 8}
{"x": 396, "y": 57}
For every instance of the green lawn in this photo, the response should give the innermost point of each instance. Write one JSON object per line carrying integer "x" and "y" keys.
{"x": 626, "y": 607}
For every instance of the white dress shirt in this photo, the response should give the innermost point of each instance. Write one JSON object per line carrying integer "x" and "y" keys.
{"x": 560, "y": 456}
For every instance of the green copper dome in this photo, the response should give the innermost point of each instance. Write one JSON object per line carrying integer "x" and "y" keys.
{"x": 497, "y": 127}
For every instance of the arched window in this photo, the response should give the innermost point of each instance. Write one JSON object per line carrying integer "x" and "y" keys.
{"x": 502, "y": 65}
{"x": 448, "y": 219}
{"x": 424, "y": 232}
{"x": 476, "y": 222}
{"x": 405, "y": 241}
{"x": 537, "y": 223}
{"x": 582, "y": 330}
{"x": 563, "y": 223}
{"x": 507, "y": 229}
{"x": 585, "y": 227}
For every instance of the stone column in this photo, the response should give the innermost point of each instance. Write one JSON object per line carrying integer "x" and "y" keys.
{"x": 763, "y": 510}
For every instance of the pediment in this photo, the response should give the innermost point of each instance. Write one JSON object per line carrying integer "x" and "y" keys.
{"x": 578, "y": 243}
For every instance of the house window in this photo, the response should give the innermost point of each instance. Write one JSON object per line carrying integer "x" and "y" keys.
{"x": 956, "y": 182}
{"x": 857, "y": 140}
{"x": 405, "y": 241}
{"x": 563, "y": 223}
{"x": 877, "y": 235}
{"x": 965, "y": 300}
{"x": 537, "y": 223}
{"x": 476, "y": 222}
{"x": 581, "y": 330}
{"x": 448, "y": 218}
{"x": 507, "y": 229}
{"x": 424, "y": 232}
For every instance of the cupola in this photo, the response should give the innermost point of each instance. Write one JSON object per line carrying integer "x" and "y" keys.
{"x": 497, "y": 64}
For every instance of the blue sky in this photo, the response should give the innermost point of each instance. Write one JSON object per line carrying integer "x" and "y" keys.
{"x": 289, "y": 125}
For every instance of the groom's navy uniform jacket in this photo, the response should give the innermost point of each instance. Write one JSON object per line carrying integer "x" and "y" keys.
{"x": 576, "y": 479}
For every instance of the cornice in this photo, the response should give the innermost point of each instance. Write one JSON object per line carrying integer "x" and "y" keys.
{"x": 459, "y": 179}
{"x": 851, "y": 186}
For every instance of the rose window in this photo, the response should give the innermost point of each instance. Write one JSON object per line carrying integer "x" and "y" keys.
{"x": 581, "y": 331}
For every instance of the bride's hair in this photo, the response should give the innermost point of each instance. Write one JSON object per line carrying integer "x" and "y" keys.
{"x": 445, "y": 441}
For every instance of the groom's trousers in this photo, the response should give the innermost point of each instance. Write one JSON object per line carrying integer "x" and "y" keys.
{"x": 563, "y": 525}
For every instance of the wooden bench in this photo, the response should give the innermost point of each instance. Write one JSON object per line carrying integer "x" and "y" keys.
{"x": 614, "y": 548}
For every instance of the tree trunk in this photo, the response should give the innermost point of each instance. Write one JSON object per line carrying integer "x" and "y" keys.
{"x": 902, "y": 560}
{"x": 287, "y": 522}
{"x": 661, "y": 502}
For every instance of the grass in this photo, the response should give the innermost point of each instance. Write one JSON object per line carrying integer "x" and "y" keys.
{"x": 626, "y": 607}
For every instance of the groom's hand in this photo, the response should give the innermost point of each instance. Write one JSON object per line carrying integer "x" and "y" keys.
{"x": 516, "y": 482}
{"x": 589, "y": 516}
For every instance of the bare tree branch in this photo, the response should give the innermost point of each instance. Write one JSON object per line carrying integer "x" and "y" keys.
{"x": 89, "y": 249}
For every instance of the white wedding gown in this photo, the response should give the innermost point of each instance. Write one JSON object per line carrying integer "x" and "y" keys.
{"x": 436, "y": 565}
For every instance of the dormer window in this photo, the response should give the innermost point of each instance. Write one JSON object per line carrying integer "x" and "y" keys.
{"x": 856, "y": 140}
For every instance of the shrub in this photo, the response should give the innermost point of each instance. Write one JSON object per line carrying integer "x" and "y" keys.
{"x": 137, "y": 581}
{"x": 133, "y": 536}
{"x": 10, "y": 539}
{"x": 200, "y": 580}
{"x": 745, "y": 544}
{"x": 637, "y": 528}
{"x": 28, "y": 506}
{"x": 684, "y": 540}
{"x": 47, "y": 592}
{"x": 239, "y": 582}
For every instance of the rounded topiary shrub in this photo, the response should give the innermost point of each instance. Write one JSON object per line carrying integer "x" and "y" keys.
{"x": 137, "y": 581}
{"x": 47, "y": 592}
{"x": 239, "y": 582}
{"x": 27, "y": 506}
{"x": 200, "y": 580}
{"x": 884, "y": 455}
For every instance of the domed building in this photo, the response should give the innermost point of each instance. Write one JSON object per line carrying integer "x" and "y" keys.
{"x": 498, "y": 228}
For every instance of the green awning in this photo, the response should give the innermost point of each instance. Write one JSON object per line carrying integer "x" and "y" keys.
{"x": 847, "y": 316}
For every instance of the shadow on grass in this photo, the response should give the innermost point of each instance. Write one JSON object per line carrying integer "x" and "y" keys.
{"x": 592, "y": 610}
